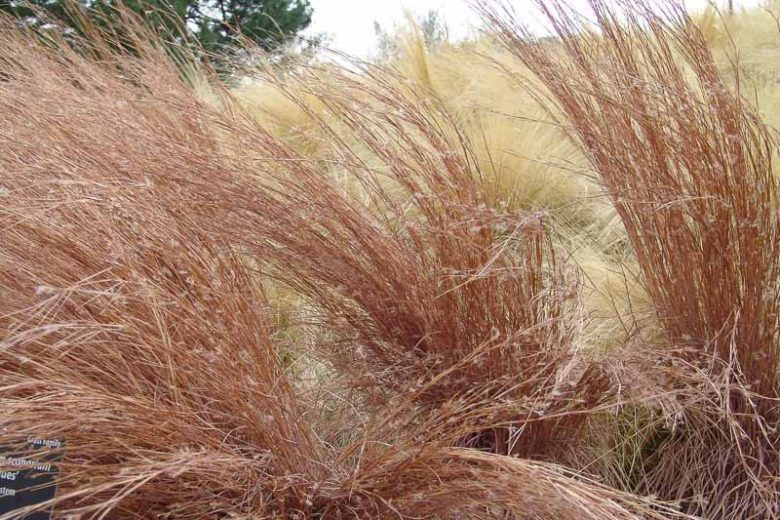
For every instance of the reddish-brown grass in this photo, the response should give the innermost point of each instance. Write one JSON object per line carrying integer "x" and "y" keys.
{"x": 689, "y": 169}
{"x": 141, "y": 226}
{"x": 424, "y": 290}
{"x": 138, "y": 224}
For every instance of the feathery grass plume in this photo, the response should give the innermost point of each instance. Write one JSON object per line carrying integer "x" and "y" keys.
{"x": 414, "y": 52}
{"x": 134, "y": 327}
{"x": 747, "y": 43}
{"x": 525, "y": 161}
{"x": 617, "y": 305}
{"x": 689, "y": 169}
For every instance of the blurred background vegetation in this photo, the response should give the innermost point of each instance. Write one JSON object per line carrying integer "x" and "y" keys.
{"x": 217, "y": 25}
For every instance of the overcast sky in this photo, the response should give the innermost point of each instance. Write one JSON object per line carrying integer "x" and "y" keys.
{"x": 350, "y": 23}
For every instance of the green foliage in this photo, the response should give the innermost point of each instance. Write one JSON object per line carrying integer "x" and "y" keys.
{"x": 38, "y": 13}
{"x": 216, "y": 24}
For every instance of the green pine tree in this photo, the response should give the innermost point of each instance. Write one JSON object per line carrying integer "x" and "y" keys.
{"x": 216, "y": 24}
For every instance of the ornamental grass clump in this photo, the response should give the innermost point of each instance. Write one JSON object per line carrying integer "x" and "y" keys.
{"x": 140, "y": 226}
{"x": 688, "y": 166}
{"x": 348, "y": 313}
{"x": 421, "y": 287}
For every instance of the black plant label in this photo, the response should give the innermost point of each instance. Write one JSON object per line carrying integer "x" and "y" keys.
{"x": 28, "y": 472}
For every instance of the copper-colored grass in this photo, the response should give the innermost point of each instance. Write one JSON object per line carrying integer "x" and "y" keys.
{"x": 423, "y": 287}
{"x": 688, "y": 166}
{"x": 137, "y": 225}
